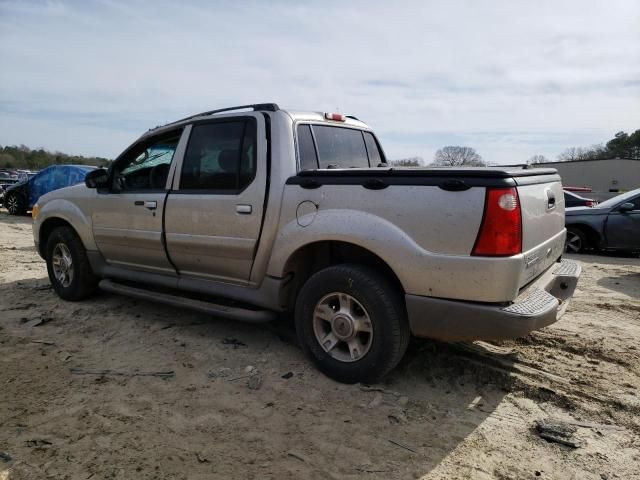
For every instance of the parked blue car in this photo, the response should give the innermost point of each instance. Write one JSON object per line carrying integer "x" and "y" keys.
{"x": 21, "y": 197}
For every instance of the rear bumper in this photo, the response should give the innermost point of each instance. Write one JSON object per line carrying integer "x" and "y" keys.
{"x": 540, "y": 304}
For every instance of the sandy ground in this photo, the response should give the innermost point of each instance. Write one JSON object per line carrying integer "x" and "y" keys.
{"x": 448, "y": 411}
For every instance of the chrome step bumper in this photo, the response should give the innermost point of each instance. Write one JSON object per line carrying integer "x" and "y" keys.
{"x": 539, "y": 304}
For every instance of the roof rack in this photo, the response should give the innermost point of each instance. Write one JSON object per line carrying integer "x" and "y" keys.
{"x": 269, "y": 107}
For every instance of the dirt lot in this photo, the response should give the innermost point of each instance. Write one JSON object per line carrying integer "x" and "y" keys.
{"x": 448, "y": 411}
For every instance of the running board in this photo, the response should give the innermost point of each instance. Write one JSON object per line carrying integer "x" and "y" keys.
{"x": 234, "y": 313}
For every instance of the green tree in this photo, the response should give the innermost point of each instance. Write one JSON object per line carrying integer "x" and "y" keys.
{"x": 22, "y": 157}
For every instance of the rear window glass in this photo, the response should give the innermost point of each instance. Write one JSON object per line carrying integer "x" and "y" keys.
{"x": 306, "y": 149}
{"x": 340, "y": 147}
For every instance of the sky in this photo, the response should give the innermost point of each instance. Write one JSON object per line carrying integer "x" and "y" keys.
{"x": 511, "y": 79}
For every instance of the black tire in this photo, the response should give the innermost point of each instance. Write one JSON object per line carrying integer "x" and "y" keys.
{"x": 577, "y": 240}
{"x": 383, "y": 305}
{"x": 15, "y": 204}
{"x": 82, "y": 282}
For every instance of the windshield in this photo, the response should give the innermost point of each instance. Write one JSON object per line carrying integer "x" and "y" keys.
{"x": 612, "y": 202}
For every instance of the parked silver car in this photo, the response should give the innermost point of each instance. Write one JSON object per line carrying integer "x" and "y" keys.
{"x": 297, "y": 211}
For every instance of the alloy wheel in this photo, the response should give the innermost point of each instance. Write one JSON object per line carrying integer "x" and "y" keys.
{"x": 573, "y": 243}
{"x": 62, "y": 264}
{"x": 12, "y": 204}
{"x": 342, "y": 327}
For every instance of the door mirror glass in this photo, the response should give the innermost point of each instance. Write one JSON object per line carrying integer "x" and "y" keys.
{"x": 626, "y": 207}
{"x": 97, "y": 178}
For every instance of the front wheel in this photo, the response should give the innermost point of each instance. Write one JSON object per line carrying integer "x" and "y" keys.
{"x": 15, "y": 204}
{"x": 576, "y": 241}
{"x": 351, "y": 321}
{"x": 68, "y": 266}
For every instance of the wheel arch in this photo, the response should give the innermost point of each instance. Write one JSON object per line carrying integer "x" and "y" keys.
{"x": 63, "y": 212}
{"x": 48, "y": 226}
{"x": 313, "y": 257}
{"x": 17, "y": 191}
{"x": 593, "y": 236}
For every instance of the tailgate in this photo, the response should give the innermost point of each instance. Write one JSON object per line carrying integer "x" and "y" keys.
{"x": 542, "y": 207}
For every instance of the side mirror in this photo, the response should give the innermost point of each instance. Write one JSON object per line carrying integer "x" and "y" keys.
{"x": 626, "y": 207}
{"x": 98, "y": 178}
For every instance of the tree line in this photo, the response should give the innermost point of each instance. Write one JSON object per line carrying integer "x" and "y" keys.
{"x": 23, "y": 158}
{"x": 450, "y": 156}
{"x": 622, "y": 145}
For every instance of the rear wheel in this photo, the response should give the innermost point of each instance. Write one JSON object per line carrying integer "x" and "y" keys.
{"x": 576, "y": 241}
{"x": 15, "y": 204}
{"x": 352, "y": 323}
{"x": 68, "y": 266}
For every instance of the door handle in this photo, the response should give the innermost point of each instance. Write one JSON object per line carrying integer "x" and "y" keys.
{"x": 551, "y": 200}
{"x": 244, "y": 209}
{"x": 151, "y": 205}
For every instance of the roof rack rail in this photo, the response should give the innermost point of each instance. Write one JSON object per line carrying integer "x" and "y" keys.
{"x": 269, "y": 107}
{"x": 352, "y": 117}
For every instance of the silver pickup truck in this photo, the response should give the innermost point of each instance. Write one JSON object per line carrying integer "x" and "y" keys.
{"x": 250, "y": 211}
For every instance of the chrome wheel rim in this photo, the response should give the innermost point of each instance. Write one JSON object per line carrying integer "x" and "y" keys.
{"x": 12, "y": 204}
{"x": 62, "y": 264}
{"x": 573, "y": 243}
{"x": 342, "y": 327}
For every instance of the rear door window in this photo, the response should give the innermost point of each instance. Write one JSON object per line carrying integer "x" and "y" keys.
{"x": 340, "y": 147}
{"x": 220, "y": 156}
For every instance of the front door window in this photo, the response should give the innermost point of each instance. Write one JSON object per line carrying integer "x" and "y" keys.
{"x": 146, "y": 166}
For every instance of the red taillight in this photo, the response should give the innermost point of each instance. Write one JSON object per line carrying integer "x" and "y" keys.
{"x": 501, "y": 229}
{"x": 589, "y": 203}
{"x": 336, "y": 117}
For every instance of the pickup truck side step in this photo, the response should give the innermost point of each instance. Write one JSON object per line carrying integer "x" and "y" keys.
{"x": 234, "y": 313}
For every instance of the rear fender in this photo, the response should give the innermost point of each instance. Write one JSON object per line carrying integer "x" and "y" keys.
{"x": 420, "y": 271}
{"x": 368, "y": 231}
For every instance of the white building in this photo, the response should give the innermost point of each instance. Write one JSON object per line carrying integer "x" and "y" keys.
{"x": 604, "y": 177}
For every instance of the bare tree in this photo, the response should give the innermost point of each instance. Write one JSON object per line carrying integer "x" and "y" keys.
{"x": 453, "y": 156}
{"x": 537, "y": 159}
{"x": 571, "y": 154}
{"x": 595, "y": 152}
{"x": 583, "y": 153}
{"x": 407, "y": 162}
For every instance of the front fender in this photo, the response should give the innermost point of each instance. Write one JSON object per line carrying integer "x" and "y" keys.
{"x": 68, "y": 211}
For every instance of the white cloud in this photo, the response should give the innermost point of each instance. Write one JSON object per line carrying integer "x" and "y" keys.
{"x": 510, "y": 78}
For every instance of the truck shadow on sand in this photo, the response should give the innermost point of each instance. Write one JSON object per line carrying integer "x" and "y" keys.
{"x": 628, "y": 284}
{"x": 299, "y": 420}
